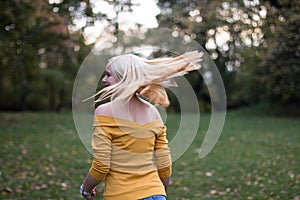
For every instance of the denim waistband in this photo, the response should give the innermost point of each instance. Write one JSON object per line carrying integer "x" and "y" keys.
{"x": 155, "y": 197}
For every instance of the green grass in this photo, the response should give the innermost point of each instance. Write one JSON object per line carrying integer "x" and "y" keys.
{"x": 256, "y": 157}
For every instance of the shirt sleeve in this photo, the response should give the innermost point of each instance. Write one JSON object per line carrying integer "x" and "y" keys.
{"x": 162, "y": 154}
{"x": 101, "y": 144}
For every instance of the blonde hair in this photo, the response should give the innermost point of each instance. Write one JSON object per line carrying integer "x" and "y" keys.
{"x": 147, "y": 78}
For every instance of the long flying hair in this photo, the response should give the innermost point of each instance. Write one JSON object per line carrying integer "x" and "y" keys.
{"x": 147, "y": 78}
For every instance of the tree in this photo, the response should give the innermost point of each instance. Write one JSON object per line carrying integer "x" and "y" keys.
{"x": 279, "y": 71}
{"x": 38, "y": 55}
{"x": 246, "y": 39}
{"x": 225, "y": 29}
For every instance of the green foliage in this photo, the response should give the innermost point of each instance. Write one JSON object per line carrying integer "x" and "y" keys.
{"x": 279, "y": 71}
{"x": 41, "y": 49}
{"x": 206, "y": 21}
{"x": 38, "y": 56}
{"x": 260, "y": 59}
{"x": 256, "y": 157}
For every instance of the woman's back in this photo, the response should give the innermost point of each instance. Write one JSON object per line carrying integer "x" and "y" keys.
{"x": 136, "y": 110}
{"x": 131, "y": 141}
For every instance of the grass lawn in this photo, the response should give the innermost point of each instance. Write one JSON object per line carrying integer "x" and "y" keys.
{"x": 256, "y": 157}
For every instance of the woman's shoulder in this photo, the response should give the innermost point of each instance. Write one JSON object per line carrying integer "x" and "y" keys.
{"x": 154, "y": 112}
{"x": 144, "y": 112}
{"x": 104, "y": 109}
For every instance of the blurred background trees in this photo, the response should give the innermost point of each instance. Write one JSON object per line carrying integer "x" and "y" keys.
{"x": 38, "y": 55}
{"x": 255, "y": 45}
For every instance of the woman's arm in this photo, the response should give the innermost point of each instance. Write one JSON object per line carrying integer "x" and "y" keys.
{"x": 163, "y": 159}
{"x": 101, "y": 144}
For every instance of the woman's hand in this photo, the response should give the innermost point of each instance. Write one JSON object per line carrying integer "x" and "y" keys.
{"x": 92, "y": 195}
{"x": 88, "y": 188}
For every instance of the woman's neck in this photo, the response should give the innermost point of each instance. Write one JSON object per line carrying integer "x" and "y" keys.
{"x": 136, "y": 109}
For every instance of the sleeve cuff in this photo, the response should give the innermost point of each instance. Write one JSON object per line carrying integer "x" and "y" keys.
{"x": 98, "y": 170}
{"x": 165, "y": 172}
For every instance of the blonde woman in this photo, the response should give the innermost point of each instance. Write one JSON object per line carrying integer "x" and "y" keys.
{"x": 131, "y": 152}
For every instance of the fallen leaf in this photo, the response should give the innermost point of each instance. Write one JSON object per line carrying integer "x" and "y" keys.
{"x": 213, "y": 192}
{"x": 8, "y": 189}
{"x": 208, "y": 174}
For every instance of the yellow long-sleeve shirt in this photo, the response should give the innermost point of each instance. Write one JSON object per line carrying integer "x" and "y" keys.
{"x": 130, "y": 157}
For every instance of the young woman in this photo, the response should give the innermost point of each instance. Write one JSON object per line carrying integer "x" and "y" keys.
{"x": 131, "y": 152}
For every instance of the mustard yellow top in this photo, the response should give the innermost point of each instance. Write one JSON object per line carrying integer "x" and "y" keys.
{"x": 130, "y": 157}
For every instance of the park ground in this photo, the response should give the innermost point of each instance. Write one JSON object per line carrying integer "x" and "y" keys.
{"x": 256, "y": 157}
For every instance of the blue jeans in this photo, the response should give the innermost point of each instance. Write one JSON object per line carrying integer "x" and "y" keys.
{"x": 155, "y": 197}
